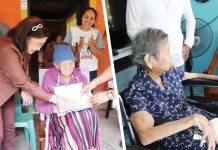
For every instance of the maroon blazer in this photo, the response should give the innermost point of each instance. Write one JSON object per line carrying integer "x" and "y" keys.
{"x": 13, "y": 75}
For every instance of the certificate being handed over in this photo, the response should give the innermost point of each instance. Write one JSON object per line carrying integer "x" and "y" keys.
{"x": 73, "y": 92}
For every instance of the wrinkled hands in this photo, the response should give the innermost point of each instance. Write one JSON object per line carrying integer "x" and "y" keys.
{"x": 208, "y": 131}
{"x": 27, "y": 98}
{"x": 63, "y": 103}
{"x": 67, "y": 104}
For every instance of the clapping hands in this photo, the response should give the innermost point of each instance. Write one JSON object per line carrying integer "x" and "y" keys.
{"x": 93, "y": 42}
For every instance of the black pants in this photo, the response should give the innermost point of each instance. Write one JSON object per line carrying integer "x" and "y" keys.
{"x": 92, "y": 74}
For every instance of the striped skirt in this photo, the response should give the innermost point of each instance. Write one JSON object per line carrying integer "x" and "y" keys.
{"x": 74, "y": 131}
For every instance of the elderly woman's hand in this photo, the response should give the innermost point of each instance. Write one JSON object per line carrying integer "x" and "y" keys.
{"x": 63, "y": 103}
{"x": 208, "y": 131}
{"x": 67, "y": 104}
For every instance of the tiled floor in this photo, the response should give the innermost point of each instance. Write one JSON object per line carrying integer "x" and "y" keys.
{"x": 110, "y": 133}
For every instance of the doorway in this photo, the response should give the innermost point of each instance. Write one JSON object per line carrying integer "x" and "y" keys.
{"x": 55, "y": 14}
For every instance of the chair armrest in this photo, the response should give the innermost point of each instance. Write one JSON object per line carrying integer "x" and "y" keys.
{"x": 200, "y": 82}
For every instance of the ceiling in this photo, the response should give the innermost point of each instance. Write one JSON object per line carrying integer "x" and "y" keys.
{"x": 54, "y": 9}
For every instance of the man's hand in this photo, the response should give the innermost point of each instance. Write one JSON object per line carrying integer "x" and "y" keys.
{"x": 89, "y": 87}
{"x": 99, "y": 98}
{"x": 185, "y": 51}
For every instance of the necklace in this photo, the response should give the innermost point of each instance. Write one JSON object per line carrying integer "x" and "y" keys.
{"x": 158, "y": 81}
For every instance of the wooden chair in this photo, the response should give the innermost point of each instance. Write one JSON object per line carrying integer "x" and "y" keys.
{"x": 211, "y": 93}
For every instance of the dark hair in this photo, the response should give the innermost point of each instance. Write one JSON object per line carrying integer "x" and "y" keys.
{"x": 85, "y": 10}
{"x": 52, "y": 38}
{"x": 29, "y": 27}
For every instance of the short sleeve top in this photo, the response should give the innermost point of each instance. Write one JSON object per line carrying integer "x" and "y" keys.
{"x": 144, "y": 94}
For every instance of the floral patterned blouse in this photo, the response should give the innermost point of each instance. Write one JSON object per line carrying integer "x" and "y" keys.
{"x": 144, "y": 94}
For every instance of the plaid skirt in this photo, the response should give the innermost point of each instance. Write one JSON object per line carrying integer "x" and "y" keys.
{"x": 74, "y": 131}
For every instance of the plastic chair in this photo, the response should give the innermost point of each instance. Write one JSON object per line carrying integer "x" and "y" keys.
{"x": 25, "y": 120}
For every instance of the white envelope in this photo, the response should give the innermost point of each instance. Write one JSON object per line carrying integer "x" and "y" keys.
{"x": 73, "y": 92}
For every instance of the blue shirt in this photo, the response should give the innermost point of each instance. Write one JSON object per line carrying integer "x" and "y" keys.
{"x": 144, "y": 94}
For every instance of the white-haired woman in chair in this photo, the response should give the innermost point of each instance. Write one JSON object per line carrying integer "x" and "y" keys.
{"x": 156, "y": 91}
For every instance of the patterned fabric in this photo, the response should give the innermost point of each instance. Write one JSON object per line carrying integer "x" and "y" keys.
{"x": 144, "y": 94}
{"x": 74, "y": 131}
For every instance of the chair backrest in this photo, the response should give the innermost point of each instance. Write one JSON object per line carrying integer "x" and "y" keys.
{"x": 213, "y": 63}
{"x": 210, "y": 93}
{"x": 41, "y": 76}
{"x": 85, "y": 72}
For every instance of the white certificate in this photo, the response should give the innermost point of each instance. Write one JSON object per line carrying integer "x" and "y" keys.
{"x": 73, "y": 92}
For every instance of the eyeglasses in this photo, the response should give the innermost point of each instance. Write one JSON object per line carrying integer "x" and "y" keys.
{"x": 34, "y": 28}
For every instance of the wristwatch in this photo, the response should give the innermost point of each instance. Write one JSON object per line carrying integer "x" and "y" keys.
{"x": 109, "y": 95}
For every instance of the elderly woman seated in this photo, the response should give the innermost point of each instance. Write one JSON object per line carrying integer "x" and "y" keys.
{"x": 156, "y": 91}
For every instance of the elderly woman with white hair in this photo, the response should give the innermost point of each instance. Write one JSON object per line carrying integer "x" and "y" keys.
{"x": 156, "y": 91}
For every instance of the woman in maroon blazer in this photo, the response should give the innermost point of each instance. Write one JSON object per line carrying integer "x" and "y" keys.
{"x": 15, "y": 49}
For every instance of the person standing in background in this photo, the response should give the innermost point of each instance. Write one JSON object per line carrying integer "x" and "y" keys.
{"x": 165, "y": 15}
{"x": 86, "y": 41}
{"x": 45, "y": 56}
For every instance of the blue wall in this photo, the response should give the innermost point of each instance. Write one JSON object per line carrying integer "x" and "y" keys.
{"x": 206, "y": 11}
